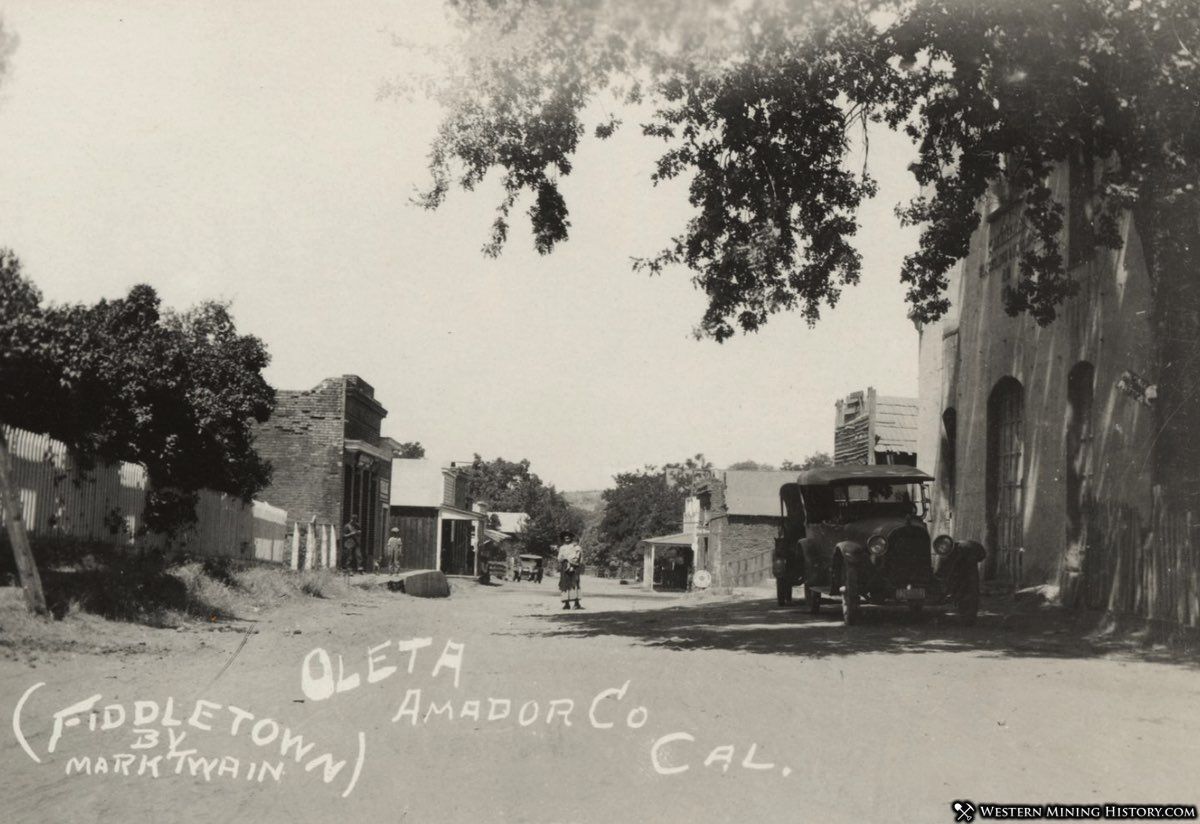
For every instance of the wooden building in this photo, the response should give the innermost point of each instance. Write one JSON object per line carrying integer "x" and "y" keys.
{"x": 875, "y": 429}
{"x": 438, "y": 527}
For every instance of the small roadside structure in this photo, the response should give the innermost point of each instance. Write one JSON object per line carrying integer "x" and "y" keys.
{"x": 668, "y": 561}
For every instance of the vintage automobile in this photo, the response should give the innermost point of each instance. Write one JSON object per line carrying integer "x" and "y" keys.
{"x": 856, "y": 531}
{"x": 529, "y": 568}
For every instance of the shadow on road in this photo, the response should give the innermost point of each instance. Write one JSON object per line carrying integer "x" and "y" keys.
{"x": 1004, "y": 629}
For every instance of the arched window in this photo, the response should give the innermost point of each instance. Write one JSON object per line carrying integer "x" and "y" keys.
{"x": 1005, "y": 476}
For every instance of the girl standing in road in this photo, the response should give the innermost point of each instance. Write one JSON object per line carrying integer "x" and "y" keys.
{"x": 570, "y": 563}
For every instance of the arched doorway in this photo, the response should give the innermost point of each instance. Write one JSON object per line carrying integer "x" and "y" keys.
{"x": 1080, "y": 394}
{"x": 1006, "y": 478}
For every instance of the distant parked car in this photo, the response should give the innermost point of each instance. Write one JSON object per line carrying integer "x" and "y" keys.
{"x": 857, "y": 531}
{"x": 529, "y": 567}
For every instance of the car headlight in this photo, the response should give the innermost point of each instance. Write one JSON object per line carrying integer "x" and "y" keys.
{"x": 943, "y": 544}
{"x": 877, "y": 545}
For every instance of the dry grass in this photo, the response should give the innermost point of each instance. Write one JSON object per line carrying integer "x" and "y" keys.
{"x": 91, "y": 587}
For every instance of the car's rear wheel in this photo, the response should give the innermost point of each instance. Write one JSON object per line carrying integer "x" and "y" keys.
{"x": 968, "y": 600}
{"x": 813, "y": 599}
{"x": 783, "y": 591}
{"x": 850, "y": 593}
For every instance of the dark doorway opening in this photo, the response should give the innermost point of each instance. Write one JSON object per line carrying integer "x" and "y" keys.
{"x": 1006, "y": 479}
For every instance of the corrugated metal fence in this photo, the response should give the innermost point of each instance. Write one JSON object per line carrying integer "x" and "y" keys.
{"x": 106, "y": 504}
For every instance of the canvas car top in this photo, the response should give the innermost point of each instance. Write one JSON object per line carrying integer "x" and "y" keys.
{"x": 859, "y": 473}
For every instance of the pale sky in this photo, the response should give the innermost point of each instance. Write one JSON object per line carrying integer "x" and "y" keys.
{"x": 239, "y": 151}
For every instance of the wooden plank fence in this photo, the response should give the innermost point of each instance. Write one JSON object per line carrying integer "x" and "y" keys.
{"x": 106, "y": 504}
{"x": 1150, "y": 570}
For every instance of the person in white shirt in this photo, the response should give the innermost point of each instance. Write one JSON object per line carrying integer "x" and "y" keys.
{"x": 570, "y": 564}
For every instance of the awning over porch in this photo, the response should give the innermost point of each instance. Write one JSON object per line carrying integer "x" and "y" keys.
{"x": 450, "y": 513}
{"x": 677, "y": 539}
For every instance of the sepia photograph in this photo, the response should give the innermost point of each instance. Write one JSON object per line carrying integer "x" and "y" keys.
{"x": 595, "y": 411}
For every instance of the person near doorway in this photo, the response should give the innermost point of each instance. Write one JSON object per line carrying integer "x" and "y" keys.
{"x": 570, "y": 564}
{"x": 395, "y": 548}
{"x": 351, "y": 533}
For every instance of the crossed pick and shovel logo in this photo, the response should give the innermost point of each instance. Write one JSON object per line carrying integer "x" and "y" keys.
{"x": 963, "y": 811}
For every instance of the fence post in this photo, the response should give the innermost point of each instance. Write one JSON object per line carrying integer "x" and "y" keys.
{"x": 295, "y": 562}
{"x": 310, "y": 539}
{"x": 333, "y": 547}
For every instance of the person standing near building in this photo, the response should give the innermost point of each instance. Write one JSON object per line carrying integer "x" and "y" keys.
{"x": 570, "y": 564}
{"x": 350, "y": 544}
{"x": 395, "y": 548}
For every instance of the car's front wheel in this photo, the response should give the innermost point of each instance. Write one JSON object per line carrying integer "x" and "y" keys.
{"x": 850, "y": 593}
{"x": 813, "y": 599}
{"x": 783, "y": 591}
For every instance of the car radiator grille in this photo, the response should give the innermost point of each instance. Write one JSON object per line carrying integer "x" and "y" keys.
{"x": 907, "y": 560}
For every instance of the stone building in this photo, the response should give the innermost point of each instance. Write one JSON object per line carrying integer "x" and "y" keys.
{"x": 329, "y": 460}
{"x": 737, "y": 514}
{"x": 875, "y": 429}
{"x": 1040, "y": 436}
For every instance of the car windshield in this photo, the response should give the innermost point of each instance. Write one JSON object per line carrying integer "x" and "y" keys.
{"x": 873, "y": 499}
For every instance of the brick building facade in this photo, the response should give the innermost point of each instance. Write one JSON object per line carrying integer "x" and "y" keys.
{"x": 329, "y": 460}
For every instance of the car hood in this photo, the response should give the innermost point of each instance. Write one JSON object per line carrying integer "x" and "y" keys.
{"x": 862, "y": 531}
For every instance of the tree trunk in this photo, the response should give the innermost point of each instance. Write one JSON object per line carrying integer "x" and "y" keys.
{"x": 1172, "y": 245}
{"x": 14, "y": 519}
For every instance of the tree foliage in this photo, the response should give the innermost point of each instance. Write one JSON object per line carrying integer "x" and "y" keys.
{"x": 126, "y": 380}
{"x": 410, "y": 449}
{"x": 759, "y": 103}
{"x": 641, "y": 505}
{"x": 764, "y": 105}
{"x": 813, "y": 461}
{"x": 510, "y": 486}
{"x": 751, "y": 466}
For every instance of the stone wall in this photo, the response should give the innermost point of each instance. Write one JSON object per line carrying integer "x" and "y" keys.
{"x": 966, "y": 355}
{"x": 740, "y": 549}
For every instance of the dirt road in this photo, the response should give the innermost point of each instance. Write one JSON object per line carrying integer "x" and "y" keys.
{"x": 603, "y": 715}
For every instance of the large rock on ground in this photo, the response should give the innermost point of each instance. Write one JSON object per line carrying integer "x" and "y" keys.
{"x": 426, "y": 583}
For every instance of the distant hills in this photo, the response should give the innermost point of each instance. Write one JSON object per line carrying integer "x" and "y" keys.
{"x": 588, "y": 500}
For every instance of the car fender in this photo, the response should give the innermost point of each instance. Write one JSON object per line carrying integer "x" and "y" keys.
{"x": 815, "y": 561}
{"x": 972, "y": 551}
{"x": 787, "y": 561}
{"x": 854, "y": 553}
{"x": 962, "y": 560}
